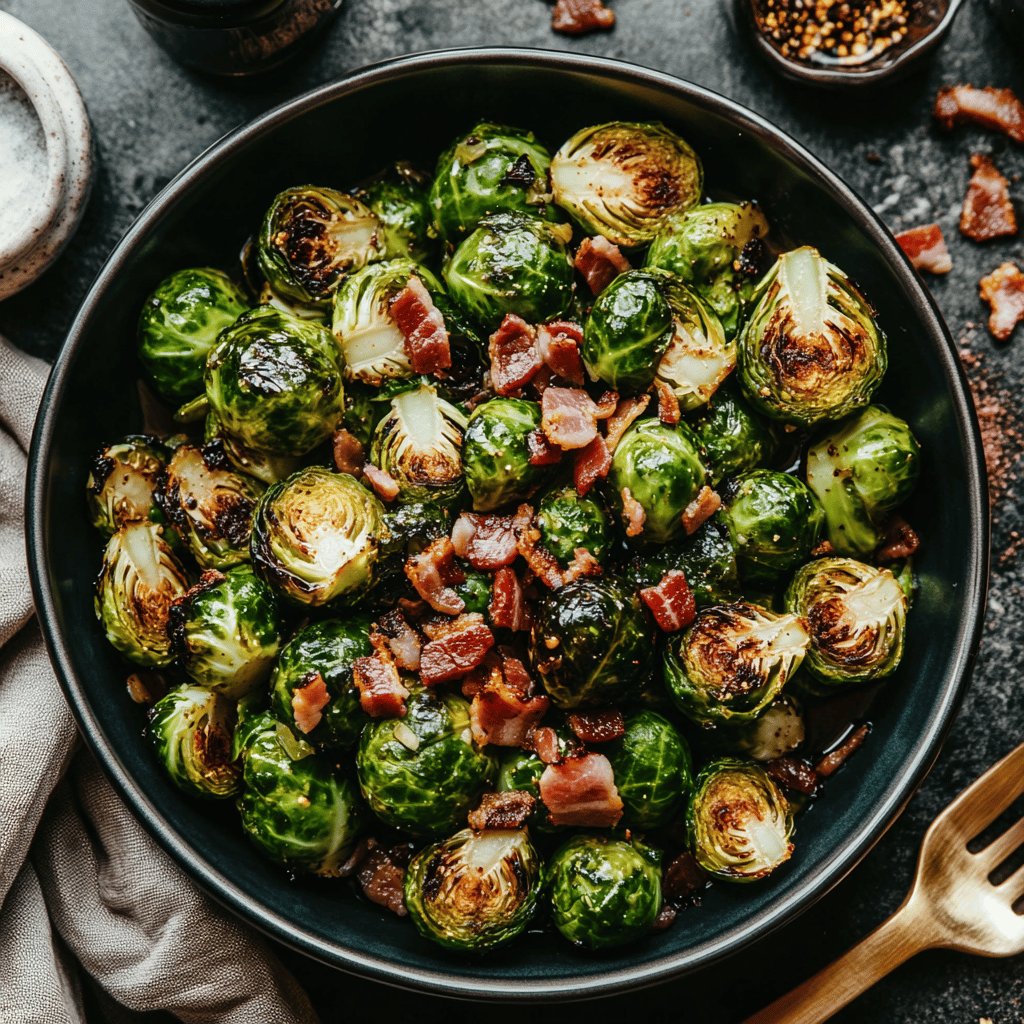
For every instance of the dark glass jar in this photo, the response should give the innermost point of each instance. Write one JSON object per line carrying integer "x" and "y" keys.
{"x": 233, "y": 37}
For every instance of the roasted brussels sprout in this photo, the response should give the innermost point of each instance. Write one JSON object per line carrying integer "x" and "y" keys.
{"x": 139, "y": 581}
{"x": 423, "y": 773}
{"x": 810, "y": 350}
{"x": 409, "y": 528}
{"x": 123, "y": 482}
{"x": 735, "y": 439}
{"x": 274, "y": 382}
{"x": 661, "y": 468}
{"x": 495, "y": 456}
{"x": 624, "y": 180}
{"x": 604, "y": 892}
{"x": 776, "y": 732}
{"x": 739, "y": 821}
{"x": 192, "y": 729}
{"x": 568, "y": 521}
{"x": 398, "y": 198}
{"x": 775, "y": 521}
{"x": 857, "y": 616}
{"x": 295, "y": 804}
{"x": 474, "y": 891}
{"x": 591, "y": 642}
{"x": 317, "y": 535}
{"x": 733, "y": 662}
{"x": 861, "y": 470}
{"x": 263, "y": 466}
{"x": 179, "y": 325}
{"x": 511, "y": 263}
{"x": 310, "y": 239}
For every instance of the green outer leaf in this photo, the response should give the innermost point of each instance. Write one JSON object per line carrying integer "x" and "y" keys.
{"x": 735, "y": 439}
{"x": 495, "y": 456}
{"x": 399, "y": 199}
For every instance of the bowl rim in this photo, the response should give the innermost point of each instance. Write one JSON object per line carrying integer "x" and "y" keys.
{"x": 451, "y": 982}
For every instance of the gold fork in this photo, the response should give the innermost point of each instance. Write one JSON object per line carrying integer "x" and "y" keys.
{"x": 952, "y": 903}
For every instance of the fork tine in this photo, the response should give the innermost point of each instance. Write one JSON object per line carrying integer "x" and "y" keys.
{"x": 984, "y": 800}
{"x": 1002, "y": 846}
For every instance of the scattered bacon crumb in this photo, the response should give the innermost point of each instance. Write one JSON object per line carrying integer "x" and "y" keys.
{"x": 925, "y": 247}
{"x": 402, "y": 640}
{"x": 541, "y": 562}
{"x": 671, "y": 602}
{"x": 682, "y": 877}
{"x": 668, "y": 403}
{"x": 823, "y": 549}
{"x": 1003, "y": 290}
{"x": 988, "y": 210}
{"x": 348, "y": 453}
{"x": 559, "y": 345}
{"x": 422, "y": 326}
{"x": 382, "y": 877}
{"x": 835, "y": 759}
{"x": 901, "y": 541}
{"x": 487, "y": 542}
{"x": 598, "y": 726}
{"x": 542, "y": 451}
{"x": 503, "y": 712}
{"x": 627, "y": 410}
{"x": 700, "y": 510}
{"x": 382, "y": 482}
{"x": 309, "y": 701}
{"x": 461, "y": 649}
{"x": 600, "y": 262}
{"x": 507, "y": 607}
{"x": 581, "y": 791}
{"x": 997, "y": 109}
{"x": 607, "y": 404}
{"x": 666, "y": 918}
{"x": 432, "y": 571}
{"x": 381, "y": 693}
{"x": 544, "y": 742}
{"x": 568, "y": 417}
{"x": 515, "y": 359}
{"x": 578, "y": 17}
{"x": 633, "y": 513}
{"x": 793, "y": 773}
{"x": 583, "y": 564}
{"x": 508, "y": 810}
{"x": 591, "y": 464}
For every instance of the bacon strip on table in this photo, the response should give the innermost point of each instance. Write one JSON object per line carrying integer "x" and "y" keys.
{"x": 541, "y": 451}
{"x": 671, "y": 601}
{"x": 385, "y": 485}
{"x": 925, "y": 247}
{"x": 559, "y": 346}
{"x": 508, "y": 810}
{"x": 581, "y": 791}
{"x": 598, "y": 726}
{"x": 507, "y": 607}
{"x": 347, "y": 450}
{"x": 600, "y": 262}
{"x": 988, "y": 210}
{"x": 381, "y": 693}
{"x": 568, "y": 418}
{"x": 401, "y": 639}
{"x": 1003, "y": 290}
{"x": 503, "y": 714}
{"x": 309, "y": 701}
{"x": 633, "y": 513}
{"x": 456, "y": 651}
{"x": 590, "y": 465}
{"x": 668, "y": 403}
{"x": 997, "y": 109}
{"x": 432, "y": 572}
{"x": 515, "y": 359}
{"x": 700, "y": 510}
{"x": 487, "y": 542}
{"x": 422, "y": 326}
{"x": 626, "y": 412}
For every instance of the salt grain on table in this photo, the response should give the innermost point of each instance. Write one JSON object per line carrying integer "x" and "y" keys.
{"x": 23, "y": 161}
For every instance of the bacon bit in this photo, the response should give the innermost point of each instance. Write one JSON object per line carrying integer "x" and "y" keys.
{"x": 542, "y": 451}
{"x": 402, "y": 640}
{"x": 793, "y": 773}
{"x": 508, "y": 810}
{"x": 590, "y": 465}
{"x": 668, "y": 404}
{"x": 541, "y": 562}
{"x": 514, "y": 356}
{"x": 628, "y": 410}
{"x": 348, "y": 453}
{"x": 544, "y": 742}
{"x": 682, "y": 877}
{"x": 665, "y": 919}
{"x": 541, "y": 383}
{"x": 583, "y": 564}
{"x": 456, "y": 653}
{"x": 502, "y": 714}
{"x": 600, "y": 262}
{"x": 578, "y": 17}
{"x": 568, "y": 417}
{"x": 422, "y": 326}
{"x": 382, "y": 482}
{"x": 987, "y": 211}
{"x": 607, "y": 404}
{"x": 308, "y": 703}
{"x": 507, "y": 608}
{"x": 925, "y": 247}
{"x": 598, "y": 726}
{"x": 146, "y": 686}
{"x": 996, "y": 109}
{"x": 432, "y": 572}
{"x": 835, "y": 759}
{"x": 633, "y": 513}
{"x": 700, "y": 510}
{"x": 487, "y": 542}
{"x": 581, "y": 791}
{"x": 381, "y": 693}
{"x": 1003, "y": 290}
{"x": 901, "y": 541}
{"x": 823, "y": 549}
{"x": 382, "y": 877}
{"x": 559, "y": 346}
{"x": 671, "y": 602}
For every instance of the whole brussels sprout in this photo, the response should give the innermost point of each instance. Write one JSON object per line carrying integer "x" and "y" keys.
{"x": 226, "y": 631}
{"x": 857, "y": 616}
{"x": 191, "y": 729}
{"x": 775, "y": 522}
{"x": 735, "y": 439}
{"x": 625, "y": 179}
{"x": 137, "y": 585}
{"x": 326, "y": 650}
{"x": 123, "y": 481}
{"x": 604, "y": 892}
{"x": 861, "y": 470}
{"x": 776, "y": 732}
{"x": 652, "y": 769}
{"x": 263, "y": 466}
{"x": 398, "y": 198}
{"x": 495, "y": 454}
{"x": 474, "y": 891}
{"x": 423, "y": 773}
{"x": 661, "y": 467}
{"x": 317, "y": 535}
{"x": 591, "y": 643}
{"x": 810, "y": 350}
{"x": 568, "y": 521}
{"x": 295, "y": 804}
{"x": 179, "y": 325}
{"x": 310, "y": 239}
{"x": 491, "y": 169}
{"x": 733, "y": 661}
{"x": 740, "y": 823}
{"x": 274, "y": 382}
{"x": 511, "y": 263}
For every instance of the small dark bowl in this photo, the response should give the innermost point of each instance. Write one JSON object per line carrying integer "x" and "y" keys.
{"x": 337, "y": 134}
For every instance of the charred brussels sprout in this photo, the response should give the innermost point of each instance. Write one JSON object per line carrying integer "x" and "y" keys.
{"x": 624, "y": 180}
{"x": 263, "y": 466}
{"x": 810, "y": 350}
{"x": 138, "y": 583}
{"x": 511, "y": 263}
{"x": 409, "y": 528}
{"x": 734, "y": 437}
{"x": 861, "y": 470}
{"x": 474, "y": 891}
{"x": 857, "y": 617}
{"x": 739, "y": 821}
{"x": 398, "y": 198}
{"x": 123, "y": 482}
{"x": 495, "y": 455}
{"x": 317, "y": 535}
{"x": 567, "y": 521}
{"x": 604, "y": 892}
{"x": 423, "y": 773}
{"x": 591, "y": 643}
{"x": 776, "y": 732}
{"x": 733, "y": 662}
{"x": 274, "y": 383}
{"x": 179, "y": 325}
{"x": 192, "y": 729}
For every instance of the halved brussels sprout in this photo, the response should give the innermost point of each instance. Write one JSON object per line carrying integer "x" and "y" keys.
{"x": 423, "y": 773}
{"x": 739, "y": 821}
{"x": 317, "y": 535}
{"x": 179, "y": 325}
{"x": 474, "y": 891}
{"x": 310, "y": 239}
{"x": 860, "y": 471}
{"x": 263, "y": 466}
{"x": 858, "y": 618}
{"x": 495, "y": 455}
{"x": 511, "y": 263}
{"x": 274, "y": 382}
{"x": 295, "y": 804}
{"x": 591, "y": 643}
{"x": 810, "y": 350}
{"x": 137, "y": 585}
{"x": 123, "y": 482}
{"x": 491, "y": 169}
{"x": 192, "y": 730}
{"x": 734, "y": 437}
{"x": 625, "y": 179}
{"x": 604, "y": 892}
{"x": 733, "y": 661}
{"x": 776, "y": 732}
{"x": 398, "y": 198}
{"x": 568, "y": 521}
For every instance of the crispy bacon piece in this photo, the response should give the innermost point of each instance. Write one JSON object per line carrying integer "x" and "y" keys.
{"x": 507, "y": 608}
{"x": 607, "y": 404}
{"x": 591, "y": 464}
{"x": 835, "y": 759}
{"x": 1003, "y": 290}
{"x": 600, "y": 262}
{"x": 583, "y": 564}
{"x": 578, "y": 17}
{"x": 700, "y": 510}
{"x": 308, "y": 703}
{"x": 988, "y": 210}
{"x": 544, "y": 742}
{"x": 627, "y": 410}
{"x": 793, "y": 773}
{"x": 487, "y": 542}
{"x": 598, "y": 726}
{"x": 432, "y": 572}
{"x": 541, "y": 562}
{"x": 900, "y": 541}
{"x": 568, "y": 417}
{"x": 508, "y": 810}
{"x": 682, "y": 877}
{"x": 671, "y": 602}
{"x": 381, "y": 693}
{"x": 348, "y": 453}
{"x": 382, "y": 876}
{"x": 668, "y": 404}
{"x": 503, "y": 714}
{"x": 559, "y": 346}
{"x": 925, "y": 247}
{"x": 634, "y": 514}
{"x": 456, "y": 651}
{"x": 542, "y": 451}
{"x": 402, "y": 640}
{"x": 581, "y": 791}
{"x": 996, "y": 109}
{"x": 422, "y": 326}
{"x": 382, "y": 482}
{"x": 515, "y": 359}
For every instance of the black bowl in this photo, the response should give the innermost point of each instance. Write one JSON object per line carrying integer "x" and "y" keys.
{"x": 337, "y": 134}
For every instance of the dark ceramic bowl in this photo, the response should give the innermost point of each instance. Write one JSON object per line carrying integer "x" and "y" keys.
{"x": 337, "y": 134}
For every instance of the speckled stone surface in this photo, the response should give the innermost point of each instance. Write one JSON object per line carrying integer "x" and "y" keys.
{"x": 151, "y": 117}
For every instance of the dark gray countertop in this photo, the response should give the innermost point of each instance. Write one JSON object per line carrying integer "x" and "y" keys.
{"x": 151, "y": 117}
